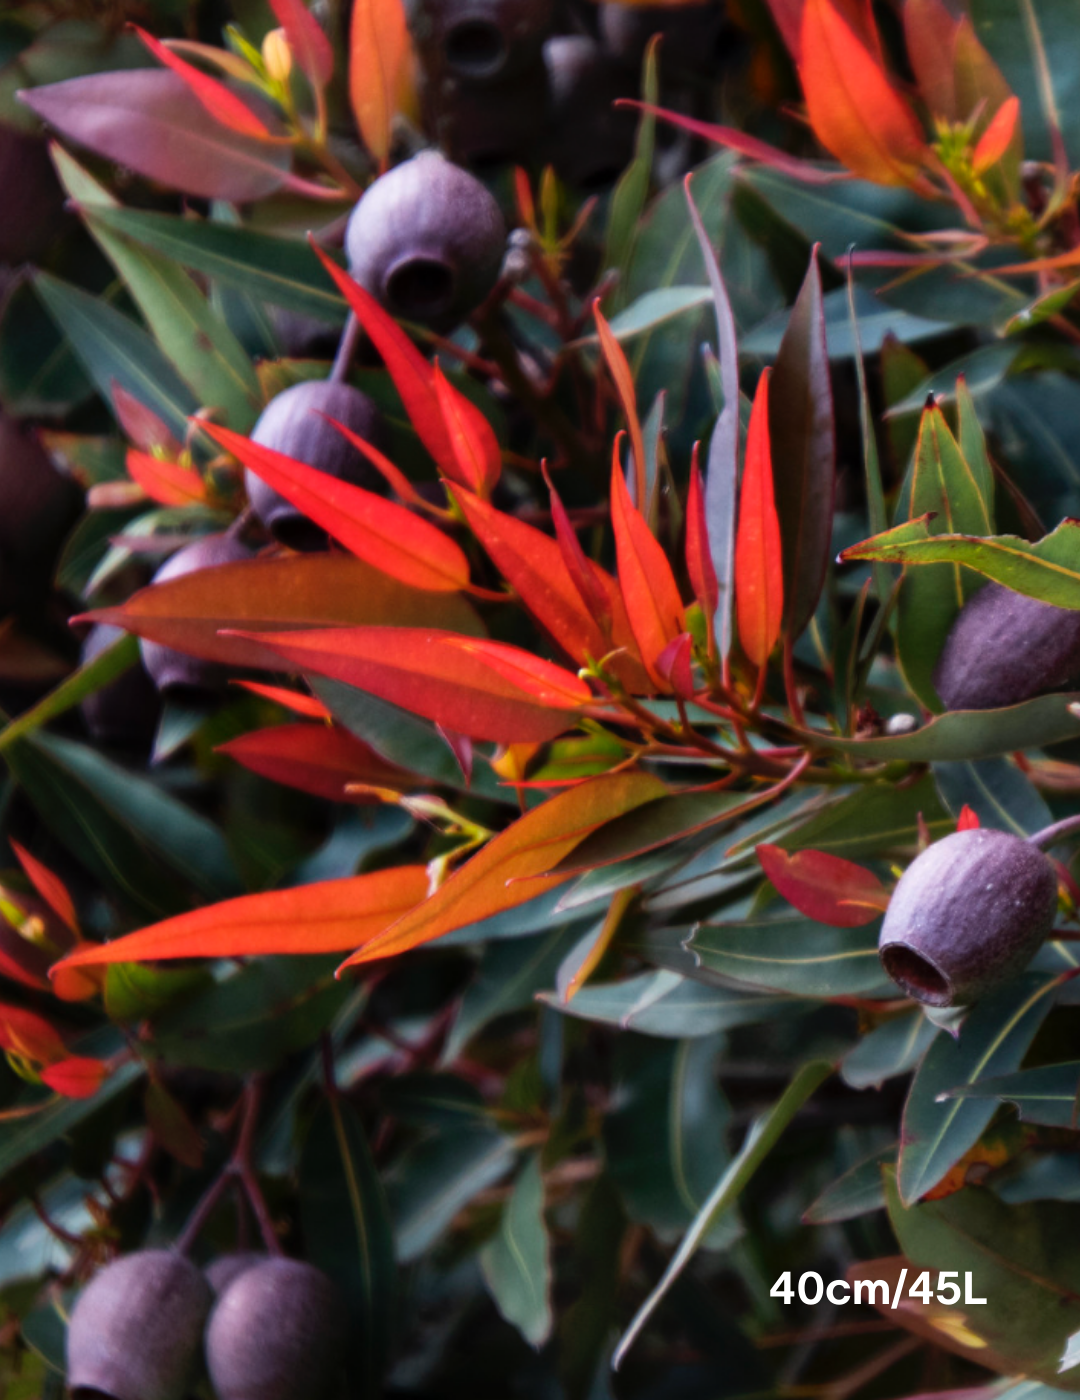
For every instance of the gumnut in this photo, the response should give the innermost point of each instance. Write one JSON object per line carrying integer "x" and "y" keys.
{"x": 1005, "y": 647}
{"x": 278, "y": 1331}
{"x": 37, "y": 507}
{"x": 173, "y": 672}
{"x": 589, "y": 140}
{"x": 480, "y": 41}
{"x": 968, "y": 914}
{"x": 294, "y": 422}
{"x": 221, "y": 1272}
{"x": 123, "y": 714}
{"x": 485, "y": 127}
{"x": 134, "y": 1333}
{"x": 427, "y": 241}
{"x": 691, "y": 35}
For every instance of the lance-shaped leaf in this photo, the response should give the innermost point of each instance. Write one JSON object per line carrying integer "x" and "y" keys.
{"x": 825, "y": 887}
{"x": 311, "y": 47}
{"x": 1047, "y": 1094}
{"x": 48, "y": 885}
{"x": 27, "y": 1034}
{"x": 516, "y": 865}
{"x": 945, "y": 489}
{"x": 300, "y": 591}
{"x": 378, "y": 54}
{"x": 379, "y": 531}
{"x": 648, "y": 586}
{"x": 854, "y": 110}
{"x": 699, "y": 564}
{"x": 317, "y": 759}
{"x": 1048, "y": 570}
{"x": 517, "y": 1262}
{"x": 329, "y": 917}
{"x": 293, "y": 700}
{"x": 598, "y": 591}
{"x": 168, "y": 483}
{"x": 487, "y": 690}
{"x": 536, "y": 566}
{"x": 76, "y": 1077}
{"x": 476, "y": 448}
{"x": 722, "y": 473}
{"x": 930, "y": 37}
{"x": 759, "y": 578}
{"x": 623, "y": 379}
{"x": 803, "y": 452}
{"x": 222, "y": 104}
{"x": 995, "y": 141}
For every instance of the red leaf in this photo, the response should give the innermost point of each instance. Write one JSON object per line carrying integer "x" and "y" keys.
{"x": 145, "y": 429}
{"x": 49, "y": 886}
{"x": 515, "y": 866}
{"x": 27, "y": 1034}
{"x": 930, "y": 37}
{"x": 759, "y": 574}
{"x": 317, "y": 759}
{"x": 699, "y": 564}
{"x": 648, "y": 585}
{"x": 968, "y": 819}
{"x": 379, "y": 53}
{"x": 379, "y": 531}
{"x": 488, "y": 690}
{"x": 150, "y": 120}
{"x": 168, "y": 483}
{"x": 398, "y": 482}
{"x": 313, "y": 51}
{"x": 298, "y": 591}
{"x": 222, "y": 104}
{"x": 788, "y": 17}
{"x": 619, "y": 369}
{"x": 77, "y": 1077}
{"x": 854, "y": 110}
{"x": 329, "y": 917}
{"x": 476, "y": 448}
{"x": 596, "y": 590}
{"x": 291, "y": 699}
{"x": 413, "y": 377}
{"x": 997, "y": 138}
{"x": 673, "y": 663}
{"x": 825, "y": 887}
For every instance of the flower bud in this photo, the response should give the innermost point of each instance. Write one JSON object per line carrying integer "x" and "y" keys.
{"x": 277, "y": 56}
{"x": 293, "y": 423}
{"x": 134, "y": 1333}
{"x": 427, "y": 241}
{"x": 1005, "y": 647}
{"x": 968, "y": 914}
{"x": 278, "y": 1332}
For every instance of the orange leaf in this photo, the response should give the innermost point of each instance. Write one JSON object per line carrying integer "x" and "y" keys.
{"x": 316, "y": 759}
{"x": 27, "y": 1034}
{"x": 487, "y": 690}
{"x": 997, "y": 138}
{"x": 329, "y": 917}
{"x": 378, "y": 56}
{"x": 968, "y": 819}
{"x": 515, "y": 865}
{"x": 291, "y": 699}
{"x": 168, "y": 483}
{"x": 596, "y": 590}
{"x": 825, "y": 887}
{"x": 261, "y": 595}
{"x": 313, "y": 51}
{"x": 788, "y": 14}
{"x": 77, "y": 1077}
{"x": 648, "y": 585}
{"x": 472, "y": 437}
{"x": 413, "y": 377}
{"x": 224, "y": 106}
{"x": 759, "y": 576}
{"x": 379, "y": 531}
{"x": 699, "y": 564}
{"x": 619, "y": 368}
{"x": 51, "y": 888}
{"x": 930, "y": 36}
{"x": 855, "y": 111}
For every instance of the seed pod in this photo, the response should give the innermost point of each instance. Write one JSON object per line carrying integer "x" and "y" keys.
{"x": 293, "y": 423}
{"x": 277, "y": 1332}
{"x": 480, "y": 41}
{"x": 590, "y": 141}
{"x": 174, "y": 672}
{"x": 427, "y": 241}
{"x": 1005, "y": 647}
{"x": 29, "y": 222}
{"x": 37, "y": 507}
{"x": 227, "y": 1267}
{"x": 969, "y": 913}
{"x": 484, "y": 127}
{"x": 125, "y": 713}
{"x": 134, "y": 1333}
{"x": 691, "y": 44}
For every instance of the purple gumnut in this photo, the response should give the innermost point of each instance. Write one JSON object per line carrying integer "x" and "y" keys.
{"x": 125, "y": 713}
{"x": 278, "y": 1332}
{"x": 134, "y": 1333}
{"x": 227, "y": 1267}
{"x": 32, "y": 217}
{"x": 480, "y": 41}
{"x": 483, "y": 127}
{"x": 174, "y": 671}
{"x": 691, "y": 35}
{"x": 590, "y": 141}
{"x": 968, "y": 913}
{"x": 293, "y": 423}
{"x": 427, "y": 241}
{"x": 1005, "y": 647}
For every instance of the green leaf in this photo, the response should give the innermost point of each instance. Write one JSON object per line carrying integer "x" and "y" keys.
{"x": 993, "y": 1040}
{"x": 517, "y": 1262}
{"x": 999, "y": 794}
{"x": 347, "y": 1234}
{"x": 858, "y": 1192}
{"x": 436, "y": 1178}
{"x": 1046, "y": 1095}
{"x": 667, "y": 1005}
{"x": 758, "y": 1143}
{"x": 113, "y": 347}
{"x": 875, "y": 818}
{"x": 632, "y": 189}
{"x": 790, "y": 954}
{"x": 876, "y": 321}
{"x": 891, "y": 1049}
{"x": 972, "y": 441}
{"x": 654, "y": 308}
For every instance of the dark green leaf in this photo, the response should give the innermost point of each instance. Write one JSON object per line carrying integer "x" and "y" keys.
{"x": 668, "y": 1005}
{"x": 1047, "y": 1095}
{"x": 997, "y": 792}
{"x": 891, "y": 1049}
{"x": 517, "y": 1262}
{"x": 858, "y": 1192}
{"x": 791, "y": 954}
